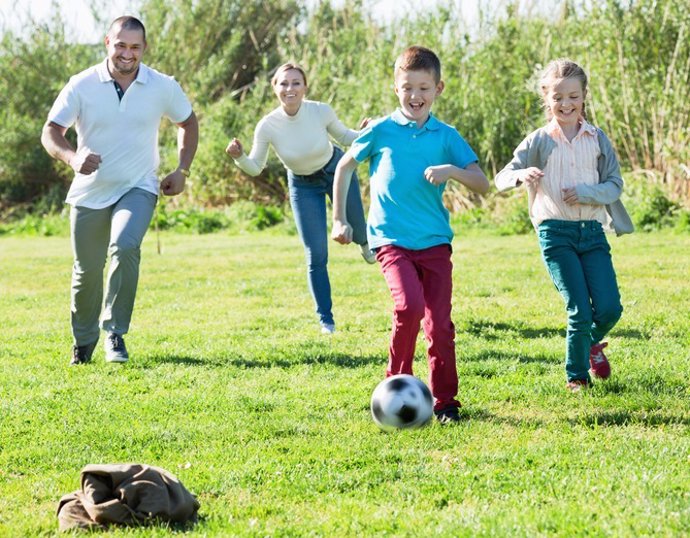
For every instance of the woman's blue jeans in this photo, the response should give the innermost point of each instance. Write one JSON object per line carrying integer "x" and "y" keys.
{"x": 578, "y": 258}
{"x": 308, "y": 201}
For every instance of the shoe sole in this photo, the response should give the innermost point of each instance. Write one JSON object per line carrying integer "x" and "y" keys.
{"x": 594, "y": 374}
{"x": 116, "y": 359}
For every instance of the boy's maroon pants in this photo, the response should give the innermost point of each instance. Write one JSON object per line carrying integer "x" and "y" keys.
{"x": 421, "y": 285}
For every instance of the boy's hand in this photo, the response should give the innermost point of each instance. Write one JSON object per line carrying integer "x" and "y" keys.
{"x": 234, "y": 149}
{"x": 530, "y": 176}
{"x": 341, "y": 232}
{"x": 437, "y": 175}
{"x": 364, "y": 123}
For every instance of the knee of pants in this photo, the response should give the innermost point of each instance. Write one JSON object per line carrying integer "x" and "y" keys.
{"x": 579, "y": 321}
{"x": 125, "y": 252}
{"x": 609, "y": 315}
{"x": 409, "y": 311}
{"x": 316, "y": 258}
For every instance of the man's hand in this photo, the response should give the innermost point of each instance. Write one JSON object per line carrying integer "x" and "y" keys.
{"x": 85, "y": 162}
{"x": 341, "y": 232}
{"x": 173, "y": 183}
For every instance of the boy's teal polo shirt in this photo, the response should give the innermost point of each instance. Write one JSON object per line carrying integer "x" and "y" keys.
{"x": 407, "y": 210}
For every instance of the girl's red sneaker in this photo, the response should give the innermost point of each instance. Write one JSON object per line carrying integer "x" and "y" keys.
{"x": 598, "y": 363}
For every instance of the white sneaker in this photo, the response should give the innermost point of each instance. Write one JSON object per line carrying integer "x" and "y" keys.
{"x": 327, "y": 328}
{"x": 368, "y": 254}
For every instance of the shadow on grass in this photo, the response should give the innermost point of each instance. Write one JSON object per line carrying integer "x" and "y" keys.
{"x": 486, "y": 416}
{"x": 337, "y": 359}
{"x": 491, "y": 330}
{"x": 626, "y": 418}
{"x": 503, "y": 356}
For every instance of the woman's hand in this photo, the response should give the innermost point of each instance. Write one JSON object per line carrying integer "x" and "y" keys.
{"x": 364, "y": 123}
{"x": 234, "y": 149}
{"x": 341, "y": 232}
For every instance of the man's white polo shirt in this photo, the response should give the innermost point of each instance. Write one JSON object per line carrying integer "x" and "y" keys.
{"x": 124, "y": 133}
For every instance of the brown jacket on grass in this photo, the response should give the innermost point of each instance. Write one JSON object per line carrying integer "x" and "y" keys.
{"x": 126, "y": 494}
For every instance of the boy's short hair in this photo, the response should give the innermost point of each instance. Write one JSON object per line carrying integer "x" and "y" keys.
{"x": 417, "y": 58}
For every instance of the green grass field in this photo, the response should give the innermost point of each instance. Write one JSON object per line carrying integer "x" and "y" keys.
{"x": 232, "y": 388}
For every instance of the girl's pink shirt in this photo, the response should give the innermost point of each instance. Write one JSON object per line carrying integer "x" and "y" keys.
{"x": 570, "y": 163}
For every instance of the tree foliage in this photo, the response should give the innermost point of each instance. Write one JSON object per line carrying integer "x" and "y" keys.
{"x": 224, "y": 52}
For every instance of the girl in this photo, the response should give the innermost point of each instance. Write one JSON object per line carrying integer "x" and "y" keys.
{"x": 299, "y": 132}
{"x": 574, "y": 183}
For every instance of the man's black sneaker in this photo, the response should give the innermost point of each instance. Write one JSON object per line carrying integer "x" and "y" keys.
{"x": 115, "y": 350}
{"x": 449, "y": 415}
{"x": 82, "y": 354}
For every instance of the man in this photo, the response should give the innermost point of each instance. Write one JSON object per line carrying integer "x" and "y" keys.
{"x": 116, "y": 108}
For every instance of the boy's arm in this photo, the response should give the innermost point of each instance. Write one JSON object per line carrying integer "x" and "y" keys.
{"x": 471, "y": 176}
{"x": 342, "y": 231}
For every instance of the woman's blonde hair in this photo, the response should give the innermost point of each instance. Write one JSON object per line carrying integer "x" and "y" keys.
{"x": 560, "y": 69}
{"x": 287, "y": 67}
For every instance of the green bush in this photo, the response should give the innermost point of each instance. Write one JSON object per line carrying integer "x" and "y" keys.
{"x": 649, "y": 206}
{"x": 224, "y": 52}
{"x": 683, "y": 221}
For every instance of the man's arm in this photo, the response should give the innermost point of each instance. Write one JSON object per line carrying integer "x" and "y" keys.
{"x": 187, "y": 142}
{"x": 56, "y": 144}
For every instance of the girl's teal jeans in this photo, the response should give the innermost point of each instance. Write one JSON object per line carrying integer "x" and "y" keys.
{"x": 578, "y": 258}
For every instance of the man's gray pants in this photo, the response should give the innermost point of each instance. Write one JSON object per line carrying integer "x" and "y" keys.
{"x": 117, "y": 231}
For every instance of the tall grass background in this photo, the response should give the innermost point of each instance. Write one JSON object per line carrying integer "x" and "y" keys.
{"x": 223, "y": 52}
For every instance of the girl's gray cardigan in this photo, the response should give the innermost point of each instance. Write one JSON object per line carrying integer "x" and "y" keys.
{"x": 535, "y": 150}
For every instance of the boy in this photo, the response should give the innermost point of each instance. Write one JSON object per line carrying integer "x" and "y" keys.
{"x": 412, "y": 155}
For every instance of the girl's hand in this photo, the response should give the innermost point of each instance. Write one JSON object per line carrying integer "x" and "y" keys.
{"x": 364, "y": 123}
{"x": 570, "y": 196}
{"x": 234, "y": 149}
{"x": 436, "y": 175}
{"x": 530, "y": 176}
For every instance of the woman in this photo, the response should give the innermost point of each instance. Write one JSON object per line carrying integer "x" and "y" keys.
{"x": 299, "y": 130}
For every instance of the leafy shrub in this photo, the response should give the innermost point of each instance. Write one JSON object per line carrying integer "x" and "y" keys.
{"x": 36, "y": 224}
{"x": 649, "y": 206}
{"x": 511, "y": 214}
{"x": 683, "y": 221}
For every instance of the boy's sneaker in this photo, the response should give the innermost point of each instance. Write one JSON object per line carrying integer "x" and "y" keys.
{"x": 115, "y": 350}
{"x": 577, "y": 385}
{"x": 449, "y": 415}
{"x": 598, "y": 363}
{"x": 82, "y": 354}
{"x": 368, "y": 254}
{"x": 327, "y": 328}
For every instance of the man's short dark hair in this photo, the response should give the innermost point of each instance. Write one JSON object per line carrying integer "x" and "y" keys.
{"x": 127, "y": 22}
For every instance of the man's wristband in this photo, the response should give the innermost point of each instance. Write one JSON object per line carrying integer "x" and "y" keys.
{"x": 184, "y": 172}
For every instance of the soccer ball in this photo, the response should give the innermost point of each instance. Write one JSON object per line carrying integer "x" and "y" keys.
{"x": 401, "y": 401}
